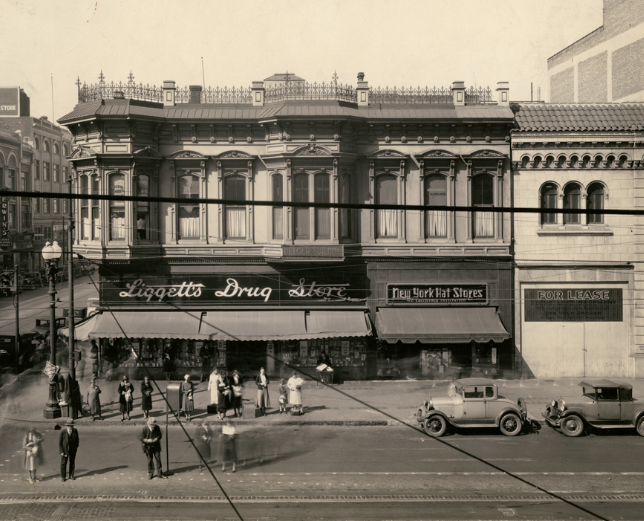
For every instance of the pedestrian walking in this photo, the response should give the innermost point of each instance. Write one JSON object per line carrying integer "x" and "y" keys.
{"x": 283, "y": 391}
{"x": 126, "y": 397}
{"x": 93, "y": 400}
{"x": 68, "y": 444}
{"x": 187, "y": 403}
{"x": 236, "y": 387}
{"x": 227, "y": 447}
{"x": 146, "y": 396}
{"x": 33, "y": 453}
{"x": 263, "y": 400}
{"x": 203, "y": 441}
{"x": 151, "y": 443}
{"x": 295, "y": 392}
{"x": 168, "y": 366}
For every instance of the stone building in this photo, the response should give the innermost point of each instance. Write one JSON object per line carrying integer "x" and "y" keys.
{"x": 606, "y": 65}
{"x": 579, "y": 277}
{"x": 387, "y": 292}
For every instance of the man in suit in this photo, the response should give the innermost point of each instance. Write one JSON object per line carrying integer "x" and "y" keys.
{"x": 151, "y": 442}
{"x": 68, "y": 444}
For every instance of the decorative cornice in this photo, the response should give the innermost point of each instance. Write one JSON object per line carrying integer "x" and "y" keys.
{"x": 187, "y": 154}
{"x": 312, "y": 150}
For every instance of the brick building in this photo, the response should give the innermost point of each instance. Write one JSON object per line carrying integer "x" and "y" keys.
{"x": 606, "y": 65}
{"x": 579, "y": 280}
{"x": 384, "y": 293}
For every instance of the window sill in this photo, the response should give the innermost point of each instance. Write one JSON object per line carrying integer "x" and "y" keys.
{"x": 576, "y": 230}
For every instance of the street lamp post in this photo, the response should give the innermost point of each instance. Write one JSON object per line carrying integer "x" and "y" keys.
{"x": 51, "y": 253}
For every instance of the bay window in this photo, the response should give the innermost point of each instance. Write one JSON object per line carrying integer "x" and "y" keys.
{"x": 189, "y": 210}
{"x": 435, "y": 195}
{"x": 301, "y": 195}
{"x": 117, "y": 208}
{"x": 322, "y": 215}
{"x": 142, "y": 208}
{"x": 278, "y": 211}
{"x": 483, "y": 197}
{"x": 235, "y": 189}
{"x": 571, "y": 201}
{"x": 387, "y": 193}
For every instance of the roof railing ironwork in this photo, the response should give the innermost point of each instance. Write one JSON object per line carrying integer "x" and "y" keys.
{"x": 311, "y": 91}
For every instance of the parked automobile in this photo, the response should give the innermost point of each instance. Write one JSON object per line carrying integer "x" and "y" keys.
{"x": 603, "y": 404}
{"x": 476, "y": 403}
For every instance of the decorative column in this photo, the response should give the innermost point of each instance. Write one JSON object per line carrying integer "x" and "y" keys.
{"x": 372, "y": 191}
{"x": 469, "y": 201}
{"x": 288, "y": 218}
{"x": 202, "y": 206}
{"x": 333, "y": 198}
{"x": 250, "y": 208}
{"x": 421, "y": 192}
{"x": 451, "y": 201}
{"x": 220, "y": 210}
{"x": 498, "y": 217}
{"x": 402, "y": 198}
{"x": 173, "y": 206}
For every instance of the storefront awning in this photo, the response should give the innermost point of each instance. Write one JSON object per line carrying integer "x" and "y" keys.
{"x": 440, "y": 325}
{"x": 147, "y": 324}
{"x": 81, "y": 329}
{"x": 283, "y": 325}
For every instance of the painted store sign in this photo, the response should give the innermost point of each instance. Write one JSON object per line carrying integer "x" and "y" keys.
{"x": 574, "y": 305}
{"x": 401, "y": 294}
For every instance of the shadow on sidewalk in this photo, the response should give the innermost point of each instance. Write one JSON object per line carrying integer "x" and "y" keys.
{"x": 98, "y": 472}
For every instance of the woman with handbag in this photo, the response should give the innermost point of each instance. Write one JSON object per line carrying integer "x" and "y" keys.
{"x": 263, "y": 400}
{"x": 126, "y": 397}
{"x": 93, "y": 400}
{"x": 146, "y": 396}
{"x": 188, "y": 390}
{"x": 223, "y": 396}
{"x": 236, "y": 386}
{"x": 33, "y": 453}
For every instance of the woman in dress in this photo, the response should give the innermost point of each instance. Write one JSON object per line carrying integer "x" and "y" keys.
{"x": 93, "y": 399}
{"x": 146, "y": 396}
{"x": 33, "y": 453}
{"x": 263, "y": 400}
{"x": 126, "y": 397}
{"x": 213, "y": 386}
{"x": 236, "y": 386}
{"x": 295, "y": 391}
{"x": 223, "y": 397}
{"x": 188, "y": 390}
{"x": 227, "y": 450}
{"x": 203, "y": 439}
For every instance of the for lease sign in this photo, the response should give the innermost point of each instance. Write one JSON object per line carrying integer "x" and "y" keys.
{"x": 9, "y": 101}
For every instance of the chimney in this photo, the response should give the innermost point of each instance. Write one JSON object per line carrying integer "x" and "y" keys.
{"x": 458, "y": 91}
{"x": 503, "y": 93}
{"x": 258, "y": 93}
{"x": 195, "y": 94}
{"x": 363, "y": 91}
{"x": 168, "y": 93}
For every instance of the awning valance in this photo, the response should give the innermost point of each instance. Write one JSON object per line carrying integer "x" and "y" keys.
{"x": 440, "y": 325}
{"x": 81, "y": 329}
{"x": 334, "y": 324}
{"x": 147, "y": 324}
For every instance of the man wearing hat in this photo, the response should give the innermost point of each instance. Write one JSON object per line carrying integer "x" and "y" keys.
{"x": 68, "y": 444}
{"x": 151, "y": 442}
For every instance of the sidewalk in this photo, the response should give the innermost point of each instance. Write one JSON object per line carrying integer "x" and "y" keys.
{"x": 352, "y": 403}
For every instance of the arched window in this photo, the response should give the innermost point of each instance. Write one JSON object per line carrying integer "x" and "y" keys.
{"x": 189, "y": 211}
{"x": 572, "y": 198}
{"x": 549, "y": 200}
{"x": 11, "y": 181}
{"x": 142, "y": 208}
{"x": 65, "y": 150}
{"x": 345, "y": 213}
{"x": 483, "y": 196}
{"x": 117, "y": 208}
{"x": 322, "y": 215}
{"x": 595, "y": 201}
{"x": 278, "y": 211}
{"x": 235, "y": 189}
{"x": 86, "y": 227}
{"x": 56, "y": 149}
{"x": 301, "y": 195}
{"x": 96, "y": 216}
{"x": 46, "y": 145}
{"x": 435, "y": 195}
{"x": 37, "y": 143}
{"x": 387, "y": 193}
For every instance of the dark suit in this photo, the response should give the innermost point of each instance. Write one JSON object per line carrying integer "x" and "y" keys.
{"x": 152, "y": 448}
{"x": 68, "y": 445}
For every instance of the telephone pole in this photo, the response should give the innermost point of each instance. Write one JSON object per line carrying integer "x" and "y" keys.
{"x": 70, "y": 273}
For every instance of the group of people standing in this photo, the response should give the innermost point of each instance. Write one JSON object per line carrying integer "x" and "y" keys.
{"x": 226, "y": 392}
{"x": 68, "y": 443}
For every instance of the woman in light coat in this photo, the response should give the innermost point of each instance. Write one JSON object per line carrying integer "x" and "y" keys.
{"x": 295, "y": 391}
{"x": 33, "y": 453}
{"x": 93, "y": 400}
{"x": 214, "y": 382}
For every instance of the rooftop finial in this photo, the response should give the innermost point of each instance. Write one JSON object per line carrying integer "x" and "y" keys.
{"x": 335, "y": 78}
{"x": 101, "y": 77}
{"x": 130, "y": 78}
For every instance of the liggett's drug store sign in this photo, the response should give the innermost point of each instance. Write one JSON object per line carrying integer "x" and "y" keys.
{"x": 574, "y": 305}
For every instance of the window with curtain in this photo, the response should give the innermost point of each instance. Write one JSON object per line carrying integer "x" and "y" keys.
{"x": 235, "y": 189}
{"x": 23, "y": 181}
{"x": 483, "y": 196}
{"x": 143, "y": 208}
{"x": 56, "y": 206}
{"x": 572, "y": 200}
{"x": 189, "y": 211}
{"x": 46, "y": 146}
{"x": 56, "y": 149}
{"x": 11, "y": 182}
{"x": 117, "y": 208}
{"x": 85, "y": 223}
{"x": 595, "y": 201}
{"x": 549, "y": 200}
{"x": 322, "y": 215}
{"x": 301, "y": 195}
{"x": 56, "y": 173}
{"x": 46, "y": 173}
{"x": 345, "y": 213}
{"x": 387, "y": 193}
{"x": 45, "y": 205}
{"x": 278, "y": 211}
{"x": 96, "y": 223}
{"x": 435, "y": 195}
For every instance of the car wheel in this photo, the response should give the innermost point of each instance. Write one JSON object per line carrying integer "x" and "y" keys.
{"x": 640, "y": 426}
{"x": 572, "y": 426}
{"x": 435, "y": 426}
{"x": 510, "y": 424}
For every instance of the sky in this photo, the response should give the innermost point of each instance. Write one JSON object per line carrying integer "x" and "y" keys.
{"x": 401, "y": 42}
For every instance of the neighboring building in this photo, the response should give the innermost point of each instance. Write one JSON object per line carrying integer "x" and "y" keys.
{"x": 579, "y": 279}
{"x": 245, "y": 283}
{"x": 606, "y": 65}
{"x": 43, "y": 219}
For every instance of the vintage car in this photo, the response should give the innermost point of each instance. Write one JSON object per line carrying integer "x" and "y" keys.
{"x": 603, "y": 404}
{"x": 475, "y": 403}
